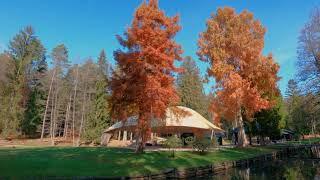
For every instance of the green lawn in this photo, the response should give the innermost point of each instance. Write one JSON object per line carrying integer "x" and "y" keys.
{"x": 100, "y": 161}
{"x": 300, "y": 142}
{"x": 305, "y": 141}
{"x": 105, "y": 161}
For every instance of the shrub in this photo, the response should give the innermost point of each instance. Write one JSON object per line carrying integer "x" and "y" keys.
{"x": 172, "y": 143}
{"x": 202, "y": 145}
{"x": 189, "y": 141}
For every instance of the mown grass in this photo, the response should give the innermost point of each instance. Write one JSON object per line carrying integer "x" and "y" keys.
{"x": 101, "y": 161}
{"x": 55, "y": 161}
{"x": 305, "y": 141}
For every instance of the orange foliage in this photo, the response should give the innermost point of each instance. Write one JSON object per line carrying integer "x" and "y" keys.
{"x": 143, "y": 83}
{"x": 245, "y": 79}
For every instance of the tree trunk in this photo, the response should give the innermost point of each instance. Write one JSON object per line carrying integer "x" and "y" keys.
{"x": 66, "y": 121}
{"x": 313, "y": 125}
{"x": 51, "y": 118}
{"x": 140, "y": 142}
{"x": 82, "y": 116}
{"x": 54, "y": 117}
{"x": 242, "y": 142}
{"x": 74, "y": 105}
{"x": 83, "y": 105}
{"x": 47, "y": 104}
{"x": 262, "y": 141}
{"x": 140, "y": 145}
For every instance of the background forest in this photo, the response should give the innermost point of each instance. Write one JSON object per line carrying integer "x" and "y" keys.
{"x": 44, "y": 95}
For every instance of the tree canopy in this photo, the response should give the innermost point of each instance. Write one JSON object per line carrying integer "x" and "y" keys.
{"x": 143, "y": 86}
{"x": 190, "y": 88}
{"x": 246, "y": 80}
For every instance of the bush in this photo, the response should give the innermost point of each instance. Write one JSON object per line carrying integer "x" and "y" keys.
{"x": 202, "y": 145}
{"x": 171, "y": 143}
{"x": 189, "y": 141}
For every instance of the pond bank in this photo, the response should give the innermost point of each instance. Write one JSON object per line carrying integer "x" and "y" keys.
{"x": 216, "y": 168}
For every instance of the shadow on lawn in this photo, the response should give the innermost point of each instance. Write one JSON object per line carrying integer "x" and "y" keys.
{"x": 101, "y": 161}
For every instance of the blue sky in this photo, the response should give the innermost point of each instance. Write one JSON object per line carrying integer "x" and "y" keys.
{"x": 87, "y": 26}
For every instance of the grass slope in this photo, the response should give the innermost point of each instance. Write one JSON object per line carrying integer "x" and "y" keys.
{"x": 26, "y": 162}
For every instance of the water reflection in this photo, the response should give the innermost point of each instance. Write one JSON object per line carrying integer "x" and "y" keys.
{"x": 282, "y": 169}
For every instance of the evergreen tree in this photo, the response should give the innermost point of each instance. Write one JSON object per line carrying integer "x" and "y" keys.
{"x": 292, "y": 89}
{"x": 297, "y": 114}
{"x": 190, "y": 88}
{"x": 103, "y": 64}
{"x": 266, "y": 123}
{"x": 32, "y": 116}
{"x": 99, "y": 118}
{"x": 26, "y": 52}
{"x": 293, "y": 99}
{"x": 36, "y": 101}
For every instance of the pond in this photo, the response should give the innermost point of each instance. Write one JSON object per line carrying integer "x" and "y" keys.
{"x": 280, "y": 169}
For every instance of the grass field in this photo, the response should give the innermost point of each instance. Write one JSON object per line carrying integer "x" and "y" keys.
{"x": 101, "y": 161}
{"x": 26, "y": 162}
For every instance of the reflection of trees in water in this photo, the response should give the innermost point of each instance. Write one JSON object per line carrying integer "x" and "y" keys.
{"x": 291, "y": 169}
{"x": 245, "y": 174}
{"x": 234, "y": 174}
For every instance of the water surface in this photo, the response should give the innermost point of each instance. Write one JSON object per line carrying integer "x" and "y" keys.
{"x": 281, "y": 169}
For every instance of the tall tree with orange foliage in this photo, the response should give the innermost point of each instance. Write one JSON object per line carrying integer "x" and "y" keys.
{"x": 143, "y": 84}
{"x": 246, "y": 81}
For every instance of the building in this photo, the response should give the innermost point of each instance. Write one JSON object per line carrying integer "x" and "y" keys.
{"x": 191, "y": 123}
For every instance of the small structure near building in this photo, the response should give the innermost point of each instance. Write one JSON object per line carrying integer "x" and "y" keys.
{"x": 287, "y": 134}
{"x": 190, "y": 124}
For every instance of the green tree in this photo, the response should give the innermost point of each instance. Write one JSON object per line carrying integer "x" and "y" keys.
{"x": 36, "y": 101}
{"x": 104, "y": 66}
{"x": 171, "y": 143}
{"x": 6, "y": 67}
{"x": 26, "y": 52}
{"x": 190, "y": 88}
{"x": 99, "y": 118}
{"x": 297, "y": 114}
{"x": 267, "y": 122}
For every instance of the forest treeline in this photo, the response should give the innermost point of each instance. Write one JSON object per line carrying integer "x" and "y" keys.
{"x": 78, "y": 101}
{"x": 61, "y": 99}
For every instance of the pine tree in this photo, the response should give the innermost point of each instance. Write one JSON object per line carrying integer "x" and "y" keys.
{"x": 36, "y": 101}
{"x": 99, "y": 117}
{"x": 190, "y": 88}
{"x": 297, "y": 114}
{"x": 104, "y": 66}
{"x": 27, "y": 52}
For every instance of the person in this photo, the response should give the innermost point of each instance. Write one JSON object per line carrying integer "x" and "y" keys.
{"x": 235, "y": 136}
{"x": 220, "y": 140}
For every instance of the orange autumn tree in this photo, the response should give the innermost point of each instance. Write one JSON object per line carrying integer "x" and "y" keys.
{"x": 143, "y": 83}
{"x": 246, "y": 81}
